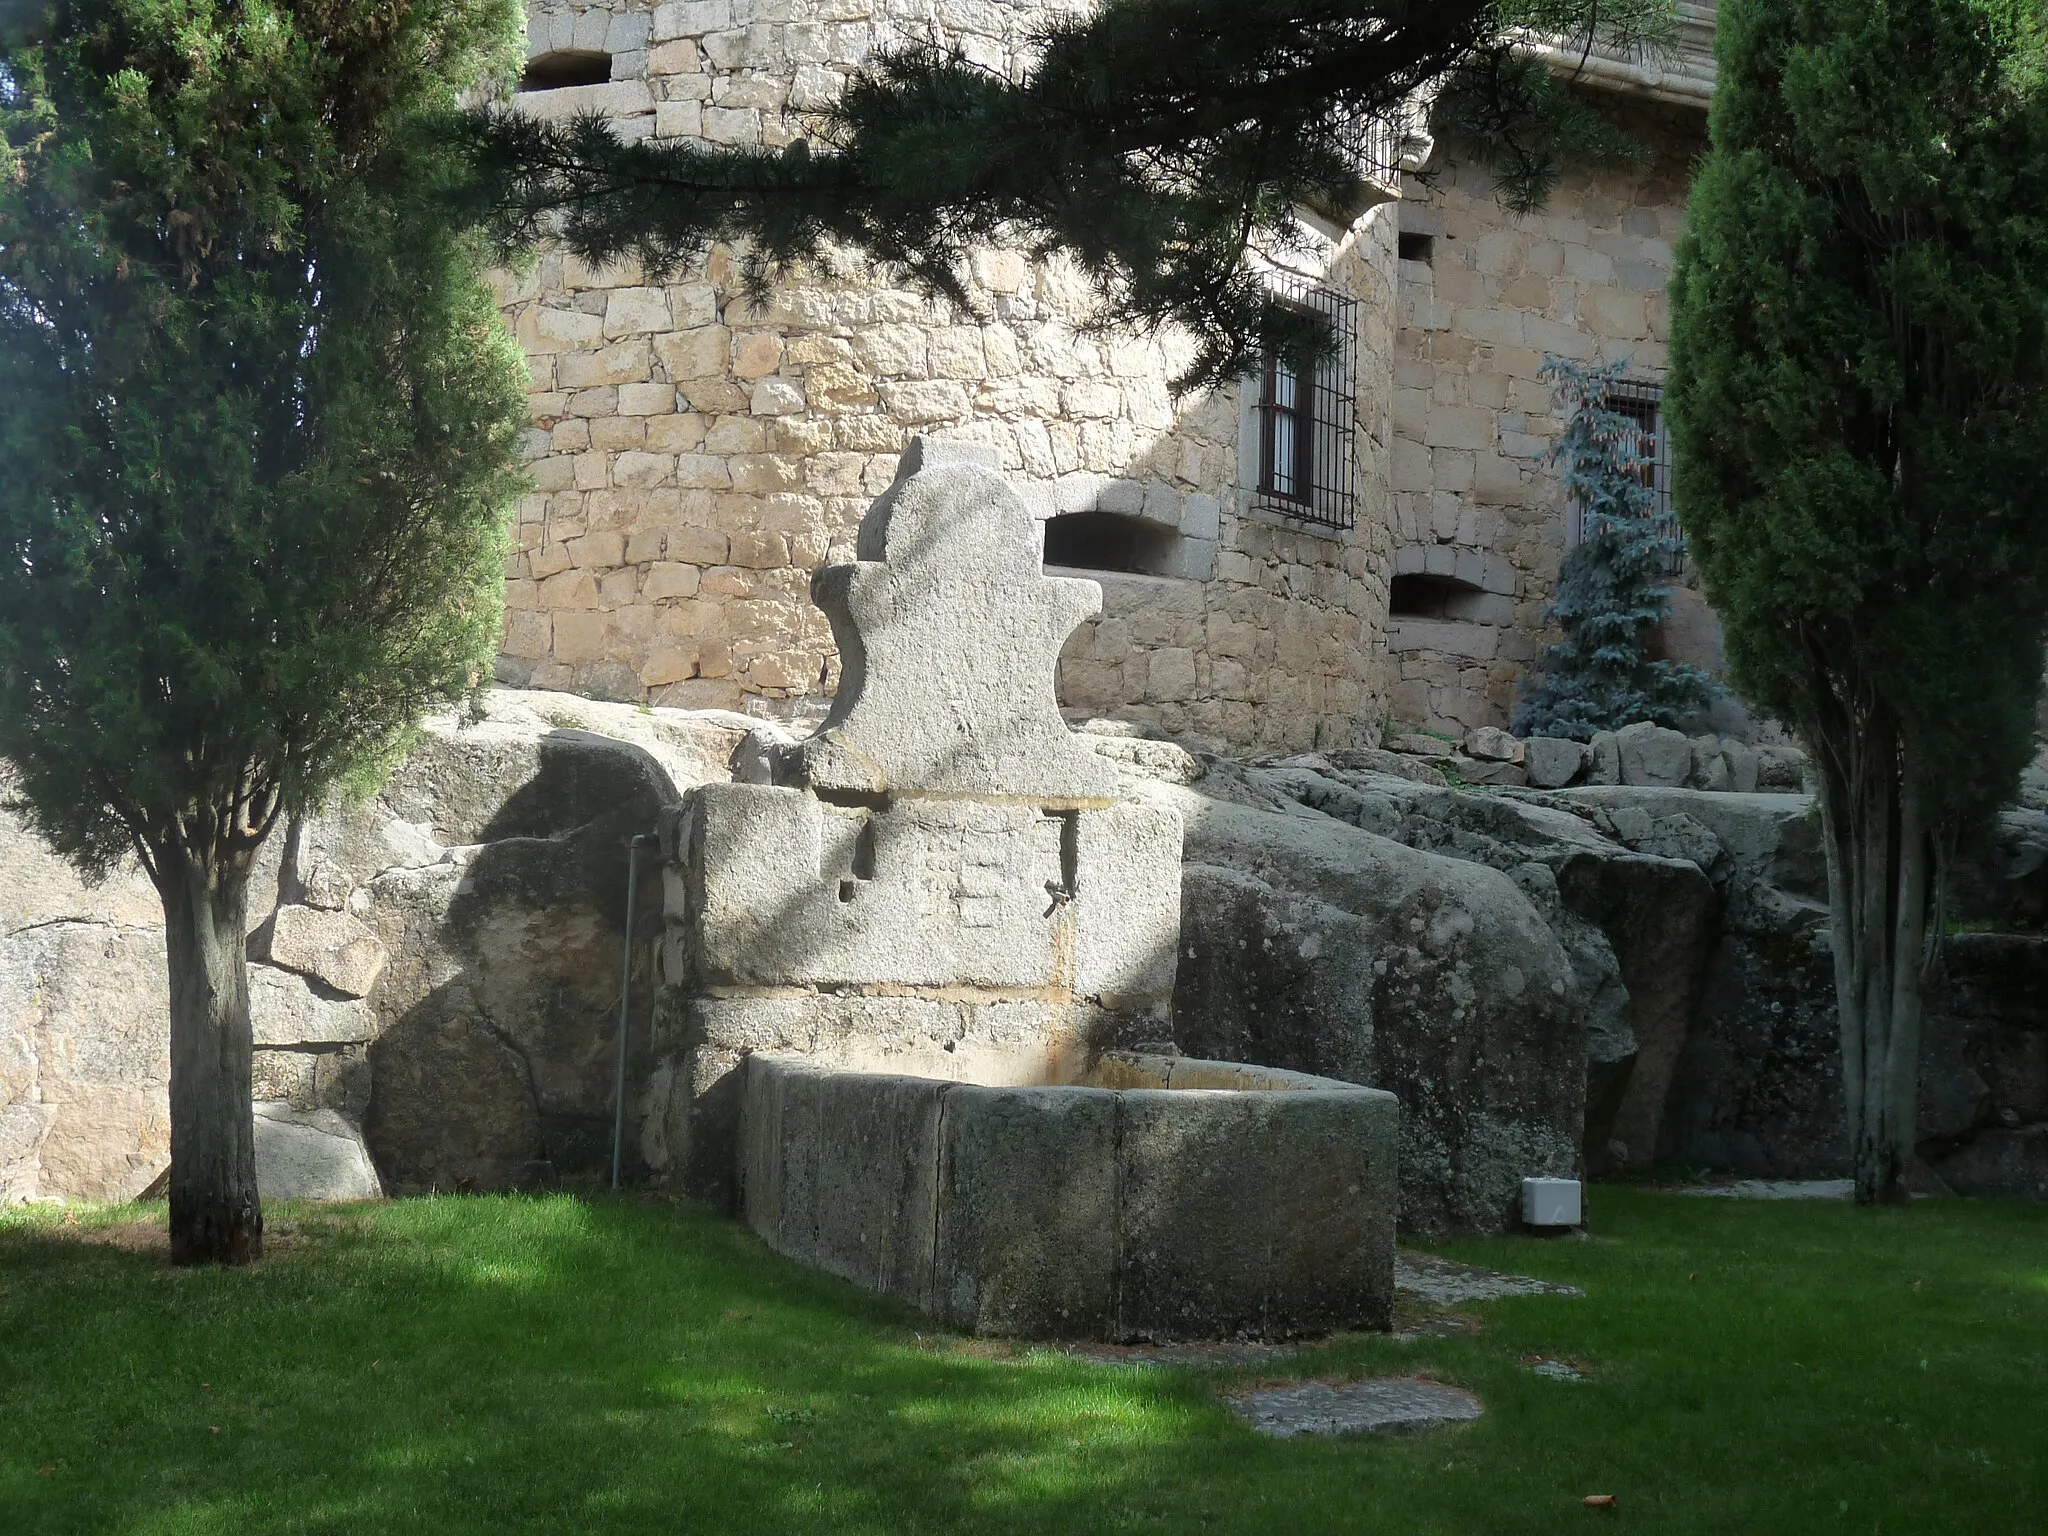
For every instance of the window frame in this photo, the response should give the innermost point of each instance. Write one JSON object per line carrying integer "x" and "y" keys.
{"x": 1324, "y": 490}
{"x": 1301, "y": 416}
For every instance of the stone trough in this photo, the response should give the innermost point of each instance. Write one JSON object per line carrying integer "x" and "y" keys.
{"x": 1158, "y": 1198}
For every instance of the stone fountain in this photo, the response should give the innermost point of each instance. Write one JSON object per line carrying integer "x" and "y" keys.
{"x": 920, "y": 972}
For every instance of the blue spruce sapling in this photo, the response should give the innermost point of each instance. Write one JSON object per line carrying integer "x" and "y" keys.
{"x": 1611, "y": 590}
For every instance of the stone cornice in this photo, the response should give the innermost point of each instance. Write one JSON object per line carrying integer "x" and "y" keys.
{"x": 1683, "y": 76}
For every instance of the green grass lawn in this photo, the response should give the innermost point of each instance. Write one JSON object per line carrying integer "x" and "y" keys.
{"x": 490, "y": 1365}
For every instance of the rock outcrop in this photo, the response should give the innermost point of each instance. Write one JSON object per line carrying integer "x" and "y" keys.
{"x": 1629, "y": 902}
{"x": 492, "y": 868}
{"x": 1641, "y": 755}
{"x": 1754, "y": 1009}
{"x": 1321, "y": 948}
{"x": 434, "y": 976}
{"x": 1758, "y": 1090}
{"x": 435, "y": 971}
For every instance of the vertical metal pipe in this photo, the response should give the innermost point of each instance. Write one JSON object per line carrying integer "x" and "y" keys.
{"x": 626, "y": 999}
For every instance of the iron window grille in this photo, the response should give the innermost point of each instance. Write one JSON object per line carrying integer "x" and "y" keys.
{"x": 1642, "y": 402}
{"x": 1307, "y": 425}
{"x": 1374, "y": 144}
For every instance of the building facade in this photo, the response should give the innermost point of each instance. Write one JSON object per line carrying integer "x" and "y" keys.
{"x": 1478, "y": 512}
{"x": 1285, "y": 563}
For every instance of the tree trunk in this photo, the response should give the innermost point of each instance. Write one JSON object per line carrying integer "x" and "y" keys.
{"x": 215, "y": 1215}
{"x": 1880, "y": 870}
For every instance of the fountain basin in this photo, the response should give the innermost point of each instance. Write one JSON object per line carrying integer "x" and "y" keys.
{"x": 1157, "y": 1198}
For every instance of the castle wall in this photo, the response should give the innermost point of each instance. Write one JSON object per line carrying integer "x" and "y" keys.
{"x": 696, "y": 457}
{"x": 1281, "y": 645}
{"x": 1474, "y": 499}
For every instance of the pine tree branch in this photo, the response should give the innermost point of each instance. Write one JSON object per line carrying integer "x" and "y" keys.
{"x": 1153, "y": 142}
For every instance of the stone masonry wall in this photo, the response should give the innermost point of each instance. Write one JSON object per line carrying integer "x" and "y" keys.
{"x": 1473, "y": 498}
{"x": 1280, "y": 646}
{"x": 695, "y": 458}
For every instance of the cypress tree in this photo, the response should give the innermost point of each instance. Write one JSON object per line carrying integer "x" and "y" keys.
{"x": 1859, "y": 375}
{"x": 1611, "y": 588}
{"x": 258, "y": 431}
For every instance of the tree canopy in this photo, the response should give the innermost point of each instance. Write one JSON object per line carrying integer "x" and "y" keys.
{"x": 258, "y": 430}
{"x": 1151, "y": 140}
{"x": 1858, "y": 378}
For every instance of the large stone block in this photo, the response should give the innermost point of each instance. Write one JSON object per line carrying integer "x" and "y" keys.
{"x": 1709, "y": 765}
{"x": 1267, "y": 1214}
{"x": 84, "y": 1059}
{"x": 1473, "y": 771}
{"x": 333, "y": 948}
{"x": 1491, "y": 744}
{"x": 786, "y": 889}
{"x": 284, "y": 1011}
{"x": 1606, "y": 761}
{"x": 1742, "y": 766}
{"x": 990, "y": 1041}
{"x": 1554, "y": 761}
{"x": 1127, "y": 904}
{"x": 1027, "y": 1241}
{"x": 1165, "y": 1198}
{"x": 1458, "y": 426}
{"x": 1652, "y": 756}
{"x": 948, "y": 633}
{"x": 789, "y": 890}
{"x": 43, "y": 888}
{"x": 841, "y": 1171}
{"x": 311, "y": 1155}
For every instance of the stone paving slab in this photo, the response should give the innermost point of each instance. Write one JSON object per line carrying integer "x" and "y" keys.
{"x": 1436, "y": 1325}
{"x": 1396, "y": 1404}
{"x": 1447, "y": 1283}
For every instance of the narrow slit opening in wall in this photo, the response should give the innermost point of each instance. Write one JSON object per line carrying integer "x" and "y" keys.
{"x": 863, "y": 860}
{"x": 1068, "y": 885}
{"x": 566, "y": 67}
{"x": 1111, "y": 541}
{"x": 1415, "y": 247}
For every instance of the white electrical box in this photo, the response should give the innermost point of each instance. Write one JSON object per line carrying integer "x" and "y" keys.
{"x": 1552, "y": 1203}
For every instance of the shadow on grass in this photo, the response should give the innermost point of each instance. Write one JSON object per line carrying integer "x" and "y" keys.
{"x": 507, "y": 1364}
{"x": 477, "y": 1364}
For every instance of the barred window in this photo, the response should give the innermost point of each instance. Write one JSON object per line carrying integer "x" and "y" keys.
{"x": 1642, "y": 402}
{"x": 1307, "y": 423}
